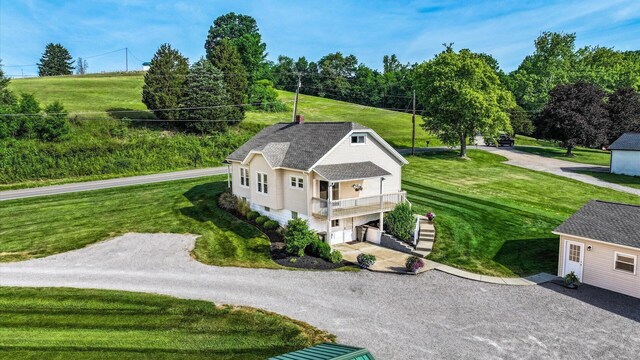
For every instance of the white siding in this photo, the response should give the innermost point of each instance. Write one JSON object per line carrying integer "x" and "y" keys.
{"x": 598, "y": 266}
{"x": 625, "y": 162}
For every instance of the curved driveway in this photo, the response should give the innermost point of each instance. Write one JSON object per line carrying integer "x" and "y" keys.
{"x": 433, "y": 315}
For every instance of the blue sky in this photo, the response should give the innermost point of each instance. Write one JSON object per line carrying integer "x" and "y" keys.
{"x": 414, "y": 30}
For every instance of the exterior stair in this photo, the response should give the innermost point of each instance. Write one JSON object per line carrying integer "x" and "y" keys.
{"x": 391, "y": 242}
{"x": 426, "y": 238}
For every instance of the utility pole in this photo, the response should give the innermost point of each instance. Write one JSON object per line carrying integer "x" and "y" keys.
{"x": 126, "y": 59}
{"x": 295, "y": 102}
{"x": 413, "y": 123}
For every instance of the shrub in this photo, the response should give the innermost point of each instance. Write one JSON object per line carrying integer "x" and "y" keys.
{"x": 400, "y": 222}
{"x": 319, "y": 249}
{"x": 366, "y": 260}
{"x": 414, "y": 263}
{"x": 227, "y": 201}
{"x": 335, "y": 257}
{"x": 297, "y": 236}
{"x": 271, "y": 225}
{"x": 260, "y": 220}
{"x": 242, "y": 207}
{"x": 252, "y": 215}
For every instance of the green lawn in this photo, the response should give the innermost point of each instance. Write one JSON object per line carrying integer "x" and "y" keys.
{"x": 494, "y": 218}
{"x": 39, "y": 323}
{"x": 53, "y": 224}
{"x": 581, "y": 155}
{"x": 631, "y": 181}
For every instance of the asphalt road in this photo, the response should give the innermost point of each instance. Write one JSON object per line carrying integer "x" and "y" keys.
{"x": 428, "y": 316}
{"x": 103, "y": 184}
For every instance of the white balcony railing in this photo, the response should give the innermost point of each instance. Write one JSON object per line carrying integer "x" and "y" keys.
{"x": 357, "y": 206}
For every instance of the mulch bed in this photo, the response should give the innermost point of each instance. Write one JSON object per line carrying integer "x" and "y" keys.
{"x": 279, "y": 255}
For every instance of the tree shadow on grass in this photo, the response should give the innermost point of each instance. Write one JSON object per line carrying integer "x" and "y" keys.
{"x": 526, "y": 257}
{"x": 205, "y": 209}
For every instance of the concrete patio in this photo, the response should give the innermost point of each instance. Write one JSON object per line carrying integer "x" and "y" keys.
{"x": 387, "y": 260}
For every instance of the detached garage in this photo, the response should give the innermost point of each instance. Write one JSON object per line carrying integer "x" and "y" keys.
{"x": 625, "y": 155}
{"x": 601, "y": 244}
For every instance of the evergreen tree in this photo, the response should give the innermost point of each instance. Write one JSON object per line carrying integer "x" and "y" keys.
{"x": 6, "y": 97}
{"x": 243, "y": 33}
{"x": 164, "y": 82}
{"x": 225, "y": 58}
{"x": 56, "y": 60}
{"x": 204, "y": 99}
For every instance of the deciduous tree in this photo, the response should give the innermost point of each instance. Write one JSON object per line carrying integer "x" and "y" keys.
{"x": 462, "y": 95}
{"x": 623, "y": 107}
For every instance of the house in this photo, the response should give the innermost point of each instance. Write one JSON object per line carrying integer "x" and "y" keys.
{"x": 625, "y": 155}
{"x": 601, "y": 243}
{"x": 146, "y": 65}
{"x": 336, "y": 175}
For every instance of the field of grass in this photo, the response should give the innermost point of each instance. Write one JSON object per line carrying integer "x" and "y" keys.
{"x": 101, "y": 146}
{"x": 48, "y": 225}
{"x": 580, "y": 155}
{"x": 60, "y": 323}
{"x": 631, "y": 181}
{"x": 494, "y": 218}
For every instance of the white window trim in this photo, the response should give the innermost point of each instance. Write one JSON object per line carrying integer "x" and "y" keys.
{"x": 247, "y": 177}
{"x": 263, "y": 183}
{"x": 299, "y": 180}
{"x": 358, "y": 135}
{"x": 635, "y": 262}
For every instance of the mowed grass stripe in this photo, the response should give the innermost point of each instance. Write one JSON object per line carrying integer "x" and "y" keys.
{"x": 79, "y": 324}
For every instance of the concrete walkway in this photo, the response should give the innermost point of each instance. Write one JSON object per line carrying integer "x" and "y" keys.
{"x": 557, "y": 167}
{"x": 430, "y": 316}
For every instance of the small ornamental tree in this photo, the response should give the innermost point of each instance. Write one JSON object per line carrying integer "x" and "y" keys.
{"x": 400, "y": 222}
{"x": 164, "y": 82}
{"x": 575, "y": 115}
{"x": 264, "y": 97}
{"x": 56, "y": 60}
{"x": 297, "y": 236}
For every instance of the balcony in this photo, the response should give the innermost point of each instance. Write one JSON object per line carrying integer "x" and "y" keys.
{"x": 357, "y": 206}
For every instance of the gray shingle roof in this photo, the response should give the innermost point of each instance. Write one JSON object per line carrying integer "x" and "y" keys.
{"x": 350, "y": 171}
{"x": 605, "y": 221}
{"x": 628, "y": 141}
{"x": 307, "y": 142}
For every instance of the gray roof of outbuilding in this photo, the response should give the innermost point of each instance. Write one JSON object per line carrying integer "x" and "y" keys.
{"x": 350, "y": 171}
{"x": 296, "y": 146}
{"x": 628, "y": 141}
{"x": 605, "y": 221}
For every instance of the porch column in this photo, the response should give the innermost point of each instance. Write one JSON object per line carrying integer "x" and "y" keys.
{"x": 329, "y": 210}
{"x": 381, "y": 207}
{"x": 229, "y": 176}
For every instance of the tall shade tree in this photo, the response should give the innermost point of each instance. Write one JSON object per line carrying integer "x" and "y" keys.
{"x": 204, "y": 99}
{"x": 164, "y": 82}
{"x": 243, "y": 33}
{"x": 623, "y": 107}
{"x": 575, "y": 115}
{"x": 553, "y": 62}
{"x": 226, "y": 59}
{"x": 56, "y": 60}
{"x": 608, "y": 68}
{"x": 462, "y": 95}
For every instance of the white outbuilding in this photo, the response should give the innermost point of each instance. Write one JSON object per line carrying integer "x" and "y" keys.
{"x": 625, "y": 155}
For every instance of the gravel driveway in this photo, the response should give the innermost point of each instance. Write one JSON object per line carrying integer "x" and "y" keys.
{"x": 429, "y": 316}
{"x": 557, "y": 167}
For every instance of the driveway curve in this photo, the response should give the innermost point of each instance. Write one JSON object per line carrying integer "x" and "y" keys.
{"x": 557, "y": 167}
{"x": 429, "y": 316}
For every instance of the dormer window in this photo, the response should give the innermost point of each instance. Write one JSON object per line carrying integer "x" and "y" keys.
{"x": 358, "y": 139}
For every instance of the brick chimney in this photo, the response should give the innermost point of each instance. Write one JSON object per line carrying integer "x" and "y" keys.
{"x": 299, "y": 119}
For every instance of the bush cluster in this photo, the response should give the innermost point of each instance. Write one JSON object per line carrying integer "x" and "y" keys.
{"x": 260, "y": 220}
{"x": 319, "y": 249}
{"x": 227, "y": 201}
{"x": 252, "y": 215}
{"x": 25, "y": 119}
{"x": 366, "y": 260}
{"x": 400, "y": 222}
{"x": 271, "y": 225}
{"x": 297, "y": 236}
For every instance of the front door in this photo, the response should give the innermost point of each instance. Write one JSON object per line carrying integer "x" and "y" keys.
{"x": 573, "y": 258}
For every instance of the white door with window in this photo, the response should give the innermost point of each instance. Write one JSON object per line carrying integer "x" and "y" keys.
{"x": 573, "y": 258}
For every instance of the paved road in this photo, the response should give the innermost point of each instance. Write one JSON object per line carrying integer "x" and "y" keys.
{"x": 429, "y": 316}
{"x": 558, "y": 167}
{"x": 103, "y": 184}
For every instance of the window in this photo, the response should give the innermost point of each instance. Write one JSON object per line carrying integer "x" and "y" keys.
{"x": 267, "y": 209}
{"x": 244, "y": 177}
{"x": 296, "y": 182}
{"x": 358, "y": 139}
{"x": 262, "y": 183}
{"x": 335, "y": 223}
{"x": 625, "y": 262}
{"x": 294, "y": 215}
{"x": 574, "y": 253}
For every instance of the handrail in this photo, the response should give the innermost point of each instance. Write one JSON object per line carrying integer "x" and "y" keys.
{"x": 358, "y": 206}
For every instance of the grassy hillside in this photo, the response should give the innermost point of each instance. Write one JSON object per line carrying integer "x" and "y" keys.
{"x": 101, "y": 146}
